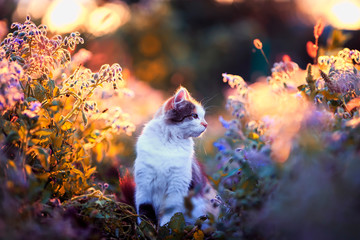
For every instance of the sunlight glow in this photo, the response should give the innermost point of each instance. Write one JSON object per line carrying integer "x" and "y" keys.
{"x": 35, "y": 9}
{"x": 345, "y": 14}
{"x": 107, "y": 18}
{"x": 282, "y": 113}
{"x": 224, "y": 1}
{"x": 66, "y": 15}
{"x": 341, "y": 14}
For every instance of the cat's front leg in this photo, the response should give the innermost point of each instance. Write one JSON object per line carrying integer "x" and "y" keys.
{"x": 144, "y": 204}
{"x": 173, "y": 203}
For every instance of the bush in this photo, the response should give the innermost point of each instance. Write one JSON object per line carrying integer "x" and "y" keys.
{"x": 288, "y": 163}
{"x": 289, "y": 157}
{"x": 46, "y": 155}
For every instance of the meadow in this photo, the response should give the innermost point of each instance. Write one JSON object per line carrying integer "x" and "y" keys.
{"x": 286, "y": 167}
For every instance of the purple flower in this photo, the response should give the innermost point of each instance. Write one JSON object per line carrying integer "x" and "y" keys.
{"x": 33, "y": 109}
{"x": 219, "y": 146}
{"x": 224, "y": 123}
{"x": 34, "y": 106}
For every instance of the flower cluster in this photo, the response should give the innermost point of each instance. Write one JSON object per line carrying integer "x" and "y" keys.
{"x": 281, "y": 73}
{"x": 83, "y": 82}
{"x": 237, "y": 100}
{"x": 33, "y": 109}
{"x": 90, "y": 107}
{"x": 338, "y": 72}
{"x": 119, "y": 121}
{"x": 350, "y": 55}
{"x": 11, "y": 74}
{"x": 289, "y": 143}
{"x": 44, "y": 150}
{"x": 32, "y": 49}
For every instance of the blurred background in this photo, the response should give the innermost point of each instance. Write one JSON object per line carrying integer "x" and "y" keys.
{"x": 164, "y": 44}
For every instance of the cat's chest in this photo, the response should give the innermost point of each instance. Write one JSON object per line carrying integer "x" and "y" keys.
{"x": 160, "y": 148}
{"x": 169, "y": 157}
{"x": 164, "y": 158}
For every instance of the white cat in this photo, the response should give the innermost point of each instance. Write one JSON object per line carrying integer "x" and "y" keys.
{"x": 165, "y": 168}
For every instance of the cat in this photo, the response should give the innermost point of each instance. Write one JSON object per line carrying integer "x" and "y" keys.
{"x": 166, "y": 171}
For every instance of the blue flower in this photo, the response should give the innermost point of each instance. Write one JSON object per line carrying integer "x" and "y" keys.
{"x": 34, "y": 106}
{"x": 224, "y": 123}
{"x": 219, "y": 146}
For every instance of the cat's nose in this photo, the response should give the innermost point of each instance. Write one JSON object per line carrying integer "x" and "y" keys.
{"x": 204, "y": 124}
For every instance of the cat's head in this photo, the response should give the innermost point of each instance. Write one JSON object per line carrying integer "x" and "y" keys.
{"x": 184, "y": 113}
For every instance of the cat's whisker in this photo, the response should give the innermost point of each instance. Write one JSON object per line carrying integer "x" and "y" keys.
{"x": 204, "y": 101}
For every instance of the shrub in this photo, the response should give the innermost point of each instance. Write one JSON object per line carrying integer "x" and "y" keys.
{"x": 46, "y": 154}
{"x": 289, "y": 158}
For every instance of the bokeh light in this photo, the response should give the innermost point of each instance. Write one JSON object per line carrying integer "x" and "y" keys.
{"x": 36, "y": 9}
{"x": 66, "y": 15}
{"x": 341, "y": 14}
{"x": 345, "y": 14}
{"x": 107, "y": 18}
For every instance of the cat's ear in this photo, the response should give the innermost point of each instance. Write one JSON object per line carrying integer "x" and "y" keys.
{"x": 169, "y": 104}
{"x": 181, "y": 95}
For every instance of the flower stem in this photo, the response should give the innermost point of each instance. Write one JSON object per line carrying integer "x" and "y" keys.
{"x": 79, "y": 102}
{"x": 262, "y": 52}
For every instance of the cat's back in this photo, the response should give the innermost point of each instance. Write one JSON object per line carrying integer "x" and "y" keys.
{"x": 150, "y": 140}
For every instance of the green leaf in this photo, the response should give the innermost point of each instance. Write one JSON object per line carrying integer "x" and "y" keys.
{"x": 51, "y": 86}
{"x": 56, "y": 92}
{"x": 40, "y": 155}
{"x": 148, "y": 230}
{"x": 44, "y": 132}
{"x": 85, "y": 120}
{"x": 177, "y": 223}
{"x": 89, "y": 172}
{"x": 302, "y": 87}
{"x": 39, "y": 92}
{"x": 30, "y": 99}
{"x": 12, "y": 136}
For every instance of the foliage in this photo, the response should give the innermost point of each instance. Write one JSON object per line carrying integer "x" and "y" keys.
{"x": 287, "y": 165}
{"x": 47, "y": 153}
{"x": 289, "y": 158}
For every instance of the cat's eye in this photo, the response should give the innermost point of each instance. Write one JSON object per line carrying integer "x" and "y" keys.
{"x": 194, "y": 115}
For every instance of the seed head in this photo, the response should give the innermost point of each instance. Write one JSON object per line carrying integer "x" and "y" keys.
{"x": 258, "y": 43}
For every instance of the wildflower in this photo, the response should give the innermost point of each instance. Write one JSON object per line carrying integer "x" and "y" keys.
{"x": 118, "y": 121}
{"x": 224, "y": 123}
{"x": 349, "y": 55}
{"x": 11, "y": 73}
{"x": 287, "y": 67}
{"x": 257, "y": 43}
{"x": 282, "y": 72}
{"x": 319, "y": 119}
{"x": 220, "y": 146}
{"x": 33, "y": 109}
{"x": 318, "y": 29}
{"x": 90, "y": 107}
{"x": 311, "y": 49}
{"x": 32, "y": 49}
{"x": 341, "y": 81}
{"x": 257, "y": 159}
{"x": 234, "y": 80}
{"x": 286, "y": 58}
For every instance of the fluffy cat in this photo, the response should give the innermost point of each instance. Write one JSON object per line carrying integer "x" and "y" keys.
{"x": 165, "y": 168}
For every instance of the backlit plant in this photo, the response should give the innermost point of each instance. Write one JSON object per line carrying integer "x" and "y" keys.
{"x": 289, "y": 150}
{"x": 288, "y": 165}
{"x": 46, "y": 153}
